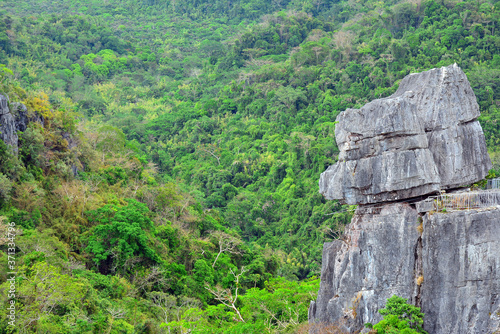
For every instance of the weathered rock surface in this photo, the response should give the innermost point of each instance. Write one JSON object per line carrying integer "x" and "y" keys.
{"x": 375, "y": 260}
{"x": 461, "y": 264}
{"x": 420, "y": 140}
{"x": 443, "y": 97}
{"x": 4, "y": 105}
{"x": 383, "y": 254}
{"x": 445, "y": 100}
{"x": 8, "y": 132}
{"x": 460, "y": 154}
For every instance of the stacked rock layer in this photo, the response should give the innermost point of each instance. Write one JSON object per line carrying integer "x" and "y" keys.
{"x": 422, "y": 139}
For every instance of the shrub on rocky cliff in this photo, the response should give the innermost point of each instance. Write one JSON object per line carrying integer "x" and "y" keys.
{"x": 399, "y": 318}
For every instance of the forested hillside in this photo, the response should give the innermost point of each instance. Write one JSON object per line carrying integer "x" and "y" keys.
{"x": 173, "y": 186}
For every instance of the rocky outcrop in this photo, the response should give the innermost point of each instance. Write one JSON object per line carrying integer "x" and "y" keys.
{"x": 8, "y": 131}
{"x": 7, "y": 123}
{"x": 394, "y": 152}
{"x": 23, "y": 118}
{"x": 451, "y": 270}
{"x": 14, "y": 119}
{"x": 461, "y": 266}
{"x": 422, "y": 139}
{"x": 374, "y": 260}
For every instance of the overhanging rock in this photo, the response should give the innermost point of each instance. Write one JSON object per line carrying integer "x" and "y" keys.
{"x": 423, "y": 138}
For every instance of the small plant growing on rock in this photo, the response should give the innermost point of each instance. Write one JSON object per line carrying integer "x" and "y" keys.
{"x": 420, "y": 226}
{"x": 399, "y": 318}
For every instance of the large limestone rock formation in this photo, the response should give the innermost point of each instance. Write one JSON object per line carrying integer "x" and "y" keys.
{"x": 422, "y": 139}
{"x": 394, "y": 152}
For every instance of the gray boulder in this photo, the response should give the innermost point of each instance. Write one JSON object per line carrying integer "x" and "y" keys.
{"x": 443, "y": 97}
{"x": 422, "y": 139}
{"x": 460, "y": 154}
{"x": 445, "y": 100}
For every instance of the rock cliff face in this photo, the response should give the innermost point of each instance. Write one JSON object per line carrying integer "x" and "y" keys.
{"x": 451, "y": 271}
{"x": 14, "y": 119}
{"x": 422, "y": 139}
{"x": 364, "y": 263}
{"x": 461, "y": 265}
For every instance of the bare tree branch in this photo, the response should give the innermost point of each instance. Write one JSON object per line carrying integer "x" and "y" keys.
{"x": 227, "y": 243}
{"x": 225, "y": 296}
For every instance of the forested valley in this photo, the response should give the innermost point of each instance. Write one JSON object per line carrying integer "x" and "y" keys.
{"x": 173, "y": 186}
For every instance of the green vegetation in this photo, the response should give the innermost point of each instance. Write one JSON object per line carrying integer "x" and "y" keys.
{"x": 199, "y": 130}
{"x": 399, "y": 317}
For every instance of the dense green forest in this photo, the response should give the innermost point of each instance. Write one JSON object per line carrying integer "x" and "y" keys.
{"x": 174, "y": 185}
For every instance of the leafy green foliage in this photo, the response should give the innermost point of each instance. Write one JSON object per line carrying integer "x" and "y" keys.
{"x": 119, "y": 235}
{"x": 399, "y": 317}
